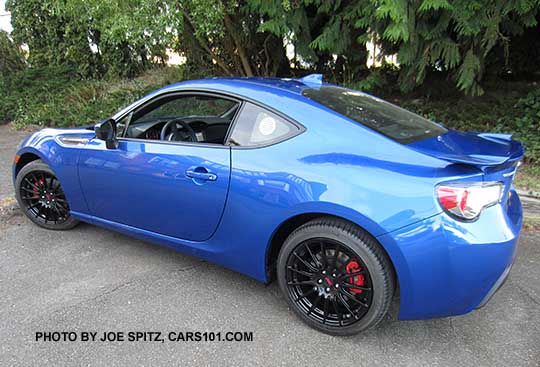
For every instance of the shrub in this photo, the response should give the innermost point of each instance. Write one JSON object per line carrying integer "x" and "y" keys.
{"x": 524, "y": 123}
{"x": 58, "y": 98}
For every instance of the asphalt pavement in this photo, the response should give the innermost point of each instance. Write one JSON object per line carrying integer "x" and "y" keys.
{"x": 91, "y": 279}
{"x": 9, "y": 140}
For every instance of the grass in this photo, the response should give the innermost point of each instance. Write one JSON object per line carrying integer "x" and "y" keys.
{"x": 531, "y": 224}
{"x": 528, "y": 178}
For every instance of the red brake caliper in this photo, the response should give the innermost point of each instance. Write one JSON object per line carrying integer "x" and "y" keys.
{"x": 353, "y": 267}
{"x": 35, "y": 188}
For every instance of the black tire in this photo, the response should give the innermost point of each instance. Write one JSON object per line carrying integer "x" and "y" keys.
{"x": 302, "y": 287}
{"x": 51, "y": 212}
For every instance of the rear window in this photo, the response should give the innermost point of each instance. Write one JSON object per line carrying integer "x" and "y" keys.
{"x": 392, "y": 121}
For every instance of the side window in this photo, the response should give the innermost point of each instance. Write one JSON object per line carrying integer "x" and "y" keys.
{"x": 183, "y": 118}
{"x": 258, "y": 126}
{"x": 185, "y": 106}
{"x": 121, "y": 125}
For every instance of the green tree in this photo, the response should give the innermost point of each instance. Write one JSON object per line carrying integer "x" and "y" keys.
{"x": 225, "y": 35}
{"x": 328, "y": 36}
{"x": 455, "y": 37}
{"x": 11, "y": 57}
{"x": 126, "y": 36}
{"x": 53, "y": 39}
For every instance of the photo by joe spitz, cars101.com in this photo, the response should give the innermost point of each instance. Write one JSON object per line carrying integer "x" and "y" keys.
{"x": 345, "y": 199}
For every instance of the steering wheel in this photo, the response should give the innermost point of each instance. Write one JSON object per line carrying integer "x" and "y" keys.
{"x": 170, "y": 131}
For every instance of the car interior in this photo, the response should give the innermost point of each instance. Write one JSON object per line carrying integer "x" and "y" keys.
{"x": 186, "y": 118}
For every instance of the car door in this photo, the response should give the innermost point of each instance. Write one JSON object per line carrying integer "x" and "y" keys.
{"x": 177, "y": 189}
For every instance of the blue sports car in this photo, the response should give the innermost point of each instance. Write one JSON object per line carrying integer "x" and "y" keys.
{"x": 340, "y": 196}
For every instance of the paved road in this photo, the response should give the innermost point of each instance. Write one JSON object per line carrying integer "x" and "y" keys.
{"x": 90, "y": 279}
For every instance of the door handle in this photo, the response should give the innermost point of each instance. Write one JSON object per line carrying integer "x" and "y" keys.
{"x": 201, "y": 173}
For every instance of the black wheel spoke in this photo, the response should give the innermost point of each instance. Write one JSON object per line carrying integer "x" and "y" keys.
{"x": 323, "y": 255}
{"x": 304, "y": 273}
{"x": 354, "y": 286}
{"x": 40, "y": 211}
{"x": 314, "y": 305}
{"x": 45, "y": 185}
{"x": 54, "y": 188}
{"x": 61, "y": 201}
{"x": 353, "y": 298}
{"x": 336, "y": 252}
{"x": 28, "y": 190}
{"x": 307, "y": 264}
{"x": 353, "y": 274}
{"x": 36, "y": 180}
{"x": 336, "y": 310}
{"x": 31, "y": 184}
{"x": 313, "y": 257}
{"x": 63, "y": 210}
{"x": 304, "y": 295}
{"x": 63, "y": 207}
{"x": 58, "y": 211}
{"x": 32, "y": 206}
{"x": 306, "y": 282}
{"x": 325, "y": 311}
{"x": 340, "y": 297}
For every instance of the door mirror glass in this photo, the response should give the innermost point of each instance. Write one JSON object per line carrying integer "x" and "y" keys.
{"x": 106, "y": 130}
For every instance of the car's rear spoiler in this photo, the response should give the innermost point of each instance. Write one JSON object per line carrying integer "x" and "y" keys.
{"x": 467, "y": 151}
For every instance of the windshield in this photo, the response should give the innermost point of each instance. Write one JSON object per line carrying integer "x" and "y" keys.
{"x": 390, "y": 120}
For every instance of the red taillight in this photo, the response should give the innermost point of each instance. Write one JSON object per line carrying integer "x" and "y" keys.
{"x": 468, "y": 199}
{"x": 448, "y": 197}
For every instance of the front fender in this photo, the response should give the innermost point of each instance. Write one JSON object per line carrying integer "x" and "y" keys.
{"x": 61, "y": 159}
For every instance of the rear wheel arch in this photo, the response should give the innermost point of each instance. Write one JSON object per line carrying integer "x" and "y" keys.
{"x": 290, "y": 225}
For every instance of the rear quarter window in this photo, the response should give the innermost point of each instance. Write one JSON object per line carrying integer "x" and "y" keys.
{"x": 390, "y": 120}
{"x": 257, "y": 126}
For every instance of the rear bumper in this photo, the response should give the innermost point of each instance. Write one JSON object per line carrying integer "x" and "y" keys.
{"x": 498, "y": 284}
{"x": 446, "y": 267}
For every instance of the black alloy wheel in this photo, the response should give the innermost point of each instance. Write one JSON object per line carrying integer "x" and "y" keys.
{"x": 41, "y": 197}
{"x": 328, "y": 282}
{"x": 335, "y": 277}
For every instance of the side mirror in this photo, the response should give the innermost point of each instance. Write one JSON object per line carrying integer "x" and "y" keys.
{"x": 106, "y": 130}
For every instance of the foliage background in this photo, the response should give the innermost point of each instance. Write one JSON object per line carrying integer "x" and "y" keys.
{"x": 470, "y": 64}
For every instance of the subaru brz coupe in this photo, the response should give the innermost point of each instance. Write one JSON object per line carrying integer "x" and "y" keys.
{"x": 341, "y": 196}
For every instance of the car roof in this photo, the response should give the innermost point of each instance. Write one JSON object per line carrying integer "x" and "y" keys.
{"x": 278, "y": 86}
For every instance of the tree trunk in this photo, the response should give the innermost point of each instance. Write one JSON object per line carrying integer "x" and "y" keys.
{"x": 239, "y": 48}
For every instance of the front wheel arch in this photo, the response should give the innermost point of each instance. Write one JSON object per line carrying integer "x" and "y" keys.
{"x": 23, "y": 160}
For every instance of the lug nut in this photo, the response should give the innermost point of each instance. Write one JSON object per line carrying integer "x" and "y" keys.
{"x": 328, "y": 289}
{"x": 334, "y": 275}
{"x": 324, "y": 271}
{"x": 337, "y": 285}
{"x": 319, "y": 281}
